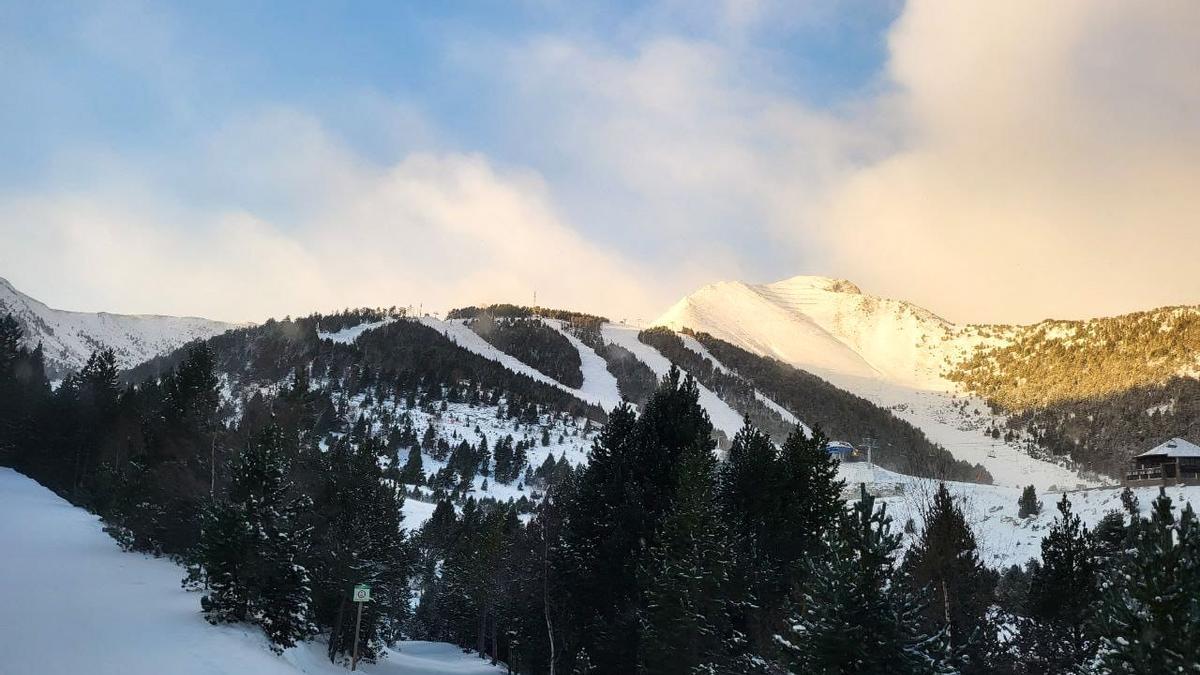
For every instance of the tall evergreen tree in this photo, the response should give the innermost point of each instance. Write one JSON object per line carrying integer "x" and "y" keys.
{"x": 253, "y": 546}
{"x": 854, "y": 617}
{"x": 1149, "y": 618}
{"x": 623, "y": 496}
{"x": 777, "y": 503}
{"x": 1062, "y": 598}
{"x": 945, "y": 562}
{"x": 413, "y": 472}
{"x": 683, "y": 612}
{"x": 359, "y": 539}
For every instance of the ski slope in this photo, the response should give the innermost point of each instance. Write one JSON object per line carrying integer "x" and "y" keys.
{"x": 785, "y": 414}
{"x": 348, "y": 335}
{"x": 596, "y": 378}
{"x": 596, "y": 389}
{"x": 723, "y": 417}
{"x": 72, "y": 602}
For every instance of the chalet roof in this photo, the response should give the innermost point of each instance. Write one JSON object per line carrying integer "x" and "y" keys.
{"x": 1176, "y": 447}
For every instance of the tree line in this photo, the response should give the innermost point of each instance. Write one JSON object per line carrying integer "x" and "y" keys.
{"x": 654, "y": 557}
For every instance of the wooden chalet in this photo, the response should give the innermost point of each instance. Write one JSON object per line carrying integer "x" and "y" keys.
{"x": 1175, "y": 462}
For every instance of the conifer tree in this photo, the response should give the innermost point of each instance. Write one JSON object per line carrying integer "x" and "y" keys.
{"x": 854, "y": 617}
{"x": 944, "y": 561}
{"x": 359, "y": 539}
{"x": 622, "y": 499}
{"x": 812, "y": 500}
{"x": 1027, "y": 503}
{"x": 1149, "y": 618}
{"x": 1062, "y": 598}
{"x": 253, "y": 547}
{"x": 683, "y": 613}
{"x": 413, "y": 472}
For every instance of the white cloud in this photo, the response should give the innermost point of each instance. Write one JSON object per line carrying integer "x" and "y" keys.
{"x": 439, "y": 230}
{"x": 1051, "y": 162}
{"x": 1014, "y": 160}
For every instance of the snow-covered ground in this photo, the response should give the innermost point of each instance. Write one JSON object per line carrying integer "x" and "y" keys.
{"x": 1004, "y": 539}
{"x": 600, "y": 389}
{"x": 349, "y": 335}
{"x": 722, "y": 415}
{"x": 462, "y": 421}
{"x": 953, "y": 423}
{"x": 72, "y": 602}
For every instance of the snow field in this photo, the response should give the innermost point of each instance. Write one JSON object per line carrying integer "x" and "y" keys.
{"x": 72, "y": 602}
{"x": 1004, "y": 538}
{"x": 890, "y": 352}
{"x": 458, "y": 423}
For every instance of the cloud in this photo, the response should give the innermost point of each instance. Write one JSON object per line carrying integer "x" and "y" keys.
{"x": 1050, "y": 162}
{"x": 1010, "y": 161}
{"x": 440, "y": 230}
{"x": 677, "y": 154}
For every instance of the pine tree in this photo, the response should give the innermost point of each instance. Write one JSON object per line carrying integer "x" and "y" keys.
{"x": 683, "y": 613}
{"x": 253, "y": 546}
{"x": 854, "y": 617}
{"x": 945, "y": 562}
{"x": 1062, "y": 598}
{"x": 413, "y": 472}
{"x": 812, "y": 498}
{"x": 359, "y": 539}
{"x": 778, "y": 503}
{"x": 1149, "y": 617}
{"x": 1028, "y": 504}
{"x": 622, "y": 499}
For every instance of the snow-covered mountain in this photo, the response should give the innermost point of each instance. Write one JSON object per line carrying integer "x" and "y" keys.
{"x": 831, "y": 328}
{"x": 891, "y": 352}
{"x": 68, "y": 338}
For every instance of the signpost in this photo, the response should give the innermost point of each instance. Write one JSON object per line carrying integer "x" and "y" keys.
{"x": 361, "y": 596}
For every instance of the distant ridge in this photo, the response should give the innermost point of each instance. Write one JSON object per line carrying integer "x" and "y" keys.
{"x": 68, "y": 338}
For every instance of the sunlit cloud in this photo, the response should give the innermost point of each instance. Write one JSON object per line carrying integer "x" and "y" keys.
{"x": 1007, "y": 162}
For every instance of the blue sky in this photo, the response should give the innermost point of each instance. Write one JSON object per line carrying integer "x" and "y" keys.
{"x": 132, "y": 77}
{"x": 644, "y": 148}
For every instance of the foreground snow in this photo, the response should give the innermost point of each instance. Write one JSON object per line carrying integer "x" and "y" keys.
{"x": 72, "y": 602}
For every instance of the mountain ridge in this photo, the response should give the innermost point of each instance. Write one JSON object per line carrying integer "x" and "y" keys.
{"x": 69, "y": 337}
{"x": 982, "y": 390}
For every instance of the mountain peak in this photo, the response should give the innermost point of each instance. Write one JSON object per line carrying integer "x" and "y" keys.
{"x": 818, "y": 283}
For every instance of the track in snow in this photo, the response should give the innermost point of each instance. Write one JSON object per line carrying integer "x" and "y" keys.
{"x": 722, "y": 415}
{"x": 694, "y": 345}
{"x": 595, "y": 389}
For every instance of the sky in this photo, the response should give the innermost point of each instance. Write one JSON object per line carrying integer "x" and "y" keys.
{"x": 993, "y": 162}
